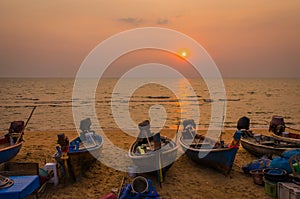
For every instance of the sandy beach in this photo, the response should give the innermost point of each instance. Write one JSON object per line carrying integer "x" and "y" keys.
{"x": 185, "y": 179}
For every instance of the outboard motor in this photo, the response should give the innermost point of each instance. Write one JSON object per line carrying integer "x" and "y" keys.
{"x": 16, "y": 130}
{"x": 243, "y": 123}
{"x": 189, "y": 130}
{"x": 85, "y": 125}
{"x": 144, "y": 132}
{"x": 277, "y": 125}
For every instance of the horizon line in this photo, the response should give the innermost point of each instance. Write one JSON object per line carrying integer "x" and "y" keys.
{"x": 113, "y": 77}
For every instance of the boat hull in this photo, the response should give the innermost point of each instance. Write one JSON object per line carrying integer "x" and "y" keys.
{"x": 265, "y": 148}
{"x": 149, "y": 162}
{"x": 9, "y": 152}
{"x": 294, "y": 138}
{"x": 80, "y": 160}
{"x": 221, "y": 159}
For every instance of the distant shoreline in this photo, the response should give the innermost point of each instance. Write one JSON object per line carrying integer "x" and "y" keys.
{"x": 267, "y": 78}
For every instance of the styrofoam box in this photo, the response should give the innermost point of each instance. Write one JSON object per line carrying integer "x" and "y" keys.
{"x": 288, "y": 190}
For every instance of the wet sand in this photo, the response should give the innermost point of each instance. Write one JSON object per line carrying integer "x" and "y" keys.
{"x": 185, "y": 179}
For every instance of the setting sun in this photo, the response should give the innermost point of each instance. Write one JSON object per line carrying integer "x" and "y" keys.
{"x": 183, "y": 53}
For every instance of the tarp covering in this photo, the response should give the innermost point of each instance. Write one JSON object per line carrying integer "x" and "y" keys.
{"x": 261, "y": 163}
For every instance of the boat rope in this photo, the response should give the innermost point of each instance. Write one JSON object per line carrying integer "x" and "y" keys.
{"x": 177, "y": 132}
{"x": 122, "y": 182}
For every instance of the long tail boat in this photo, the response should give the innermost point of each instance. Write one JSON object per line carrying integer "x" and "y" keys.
{"x": 151, "y": 152}
{"x": 260, "y": 145}
{"x": 76, "y": 156}
{"x": 11, "y": 143}
{"x": 8, "y": 148}
{"x": 208, "y": 151}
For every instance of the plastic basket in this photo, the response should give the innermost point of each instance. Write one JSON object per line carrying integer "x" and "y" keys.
{"x": 270, "y": 188}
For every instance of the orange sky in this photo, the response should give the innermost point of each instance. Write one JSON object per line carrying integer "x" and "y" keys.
{"x": 245, "y": 38}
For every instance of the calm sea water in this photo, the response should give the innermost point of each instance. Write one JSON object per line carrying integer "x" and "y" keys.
{"x": 258, "y": 99}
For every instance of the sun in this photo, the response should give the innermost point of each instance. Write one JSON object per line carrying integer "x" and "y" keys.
{"x": 183, "y": 53}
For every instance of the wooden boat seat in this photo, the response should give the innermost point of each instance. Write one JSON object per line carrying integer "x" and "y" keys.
{"x": 294, "y": 162}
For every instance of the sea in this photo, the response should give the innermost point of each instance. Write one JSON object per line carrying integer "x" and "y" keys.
{"x": 257, "y": 99}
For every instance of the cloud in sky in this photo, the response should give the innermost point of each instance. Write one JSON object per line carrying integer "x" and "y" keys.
{"x": 138, "y": 21}
{"x": 131, "y": 20}
{"x": 162, "y": 21}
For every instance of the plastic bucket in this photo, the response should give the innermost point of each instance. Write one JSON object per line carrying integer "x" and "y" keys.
{"x": 257, "y": 176}
{"x": 276, "y": 174}
{"x": 139, "y": 185}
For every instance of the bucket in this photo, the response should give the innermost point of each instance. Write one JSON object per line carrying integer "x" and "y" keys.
{"x": 139, "y": 185}
{"x": 276, "y": 174}
{"x": 132, "y": 171}
{"x": 257, "y": 176}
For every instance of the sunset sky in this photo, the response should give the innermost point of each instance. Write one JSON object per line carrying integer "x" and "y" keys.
{"x": 245, "y": 38}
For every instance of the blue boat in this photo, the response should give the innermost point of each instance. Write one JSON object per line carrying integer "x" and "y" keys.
{"x": 77, "y": 159}
{"x": 77, "y": 155}
{"x": 208, "y": 151}
{"x": 216, "y": 156}
{"x": 8, "y": 150}
{"x": 11, "y": 142}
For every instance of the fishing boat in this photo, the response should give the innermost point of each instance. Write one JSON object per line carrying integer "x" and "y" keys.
{"x": 8, "y": 149}
{"x": 11, "y": 143}
{"x": 152, "y": 152}
{"x": 208, "y": 151}
{"x": 260, "y": 145}
{"x": 146, "y": 159}
{"x": 76, "y": 156}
